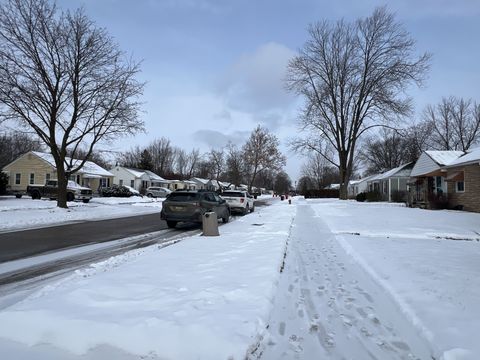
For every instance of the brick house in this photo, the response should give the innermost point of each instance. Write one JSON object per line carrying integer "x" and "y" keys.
{"x": 463, "y": 179}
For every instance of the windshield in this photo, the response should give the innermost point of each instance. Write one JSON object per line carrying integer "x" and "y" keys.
{"x": 183, "y": 197}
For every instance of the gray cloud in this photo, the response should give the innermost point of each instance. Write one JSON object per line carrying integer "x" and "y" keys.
{"x": 216, "y": 139}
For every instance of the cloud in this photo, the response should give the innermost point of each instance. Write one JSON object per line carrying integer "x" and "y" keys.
{"x": 256, "y": 81}
{"x": 216, "y": 139}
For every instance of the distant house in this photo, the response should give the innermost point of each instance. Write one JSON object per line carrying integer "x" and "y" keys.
{"x": 182, "y": 185}
{"x": 392, "y": 184}
{"x": 137, "y": 178}
{"x": 36, "y": 167}
{"x": 200, "y": 184}
{"x": 428, "y": 178}
{"x": 356, "y": 187}
{"x": 463, "y": 181}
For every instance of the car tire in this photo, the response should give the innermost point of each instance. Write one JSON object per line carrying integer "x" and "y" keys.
{"x": 149, "y": 195}
{"x": 18, "y": 196}
{"x": 252, "y": 209}
{"x": 227, "y": 218}
{"x": 70, "y": 196}
{"x": 36, "y": 195}
{"x": 246, "y": 210}
{"x": 86, "y": 201}
{"x": 171, "y": 224}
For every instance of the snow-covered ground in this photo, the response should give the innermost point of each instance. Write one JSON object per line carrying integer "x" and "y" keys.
{"x": 360, "y": 281}
{"x": 24, "y": 213}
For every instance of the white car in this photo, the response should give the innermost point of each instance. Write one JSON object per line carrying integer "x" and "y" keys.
{"x": 239, "y": 200}
{"x": 156, "y": 191}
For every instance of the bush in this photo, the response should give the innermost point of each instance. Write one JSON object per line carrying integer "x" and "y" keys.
{"x": 116, "y": 191}
{"x": 361, "y": 197}
{"x": 322, "y": 193}
{"x": 438, "y": 201}
{"x": 399, "y": 196}
{"x": 373, "y": 196}
{"x": 3, "y": 183}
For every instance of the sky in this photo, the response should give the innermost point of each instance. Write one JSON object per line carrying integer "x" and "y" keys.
{"x": 215, "y": 69}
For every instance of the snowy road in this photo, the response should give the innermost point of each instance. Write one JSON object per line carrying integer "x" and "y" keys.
{"x": 328, "y": 307}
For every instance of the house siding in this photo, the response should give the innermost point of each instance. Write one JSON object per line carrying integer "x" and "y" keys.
{"x": 424, "y": 165}
{"x": 470, "y": 198}
{"x": 26, "y": 165}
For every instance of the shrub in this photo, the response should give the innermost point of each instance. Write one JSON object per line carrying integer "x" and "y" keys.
{"x": 373, "y": 196}
{"x": 361, "y": 197}
{"x": 116, "y": 191}
{"x": 399, "y": 196}
{"x": 322, "y": 193}
{"x": 438, "y": 201}
{"x": 3, "y": 183}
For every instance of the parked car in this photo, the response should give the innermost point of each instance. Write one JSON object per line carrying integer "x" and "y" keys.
{"x": 190, "y": 205}
{"x": 156, "y": 191}
{"x": 50, "y": 190}
{"x": 239, "y": 201}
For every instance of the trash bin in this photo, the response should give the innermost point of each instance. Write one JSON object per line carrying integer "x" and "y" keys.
{"x": 282, "y": 198}
{"x": 210, "y": 224}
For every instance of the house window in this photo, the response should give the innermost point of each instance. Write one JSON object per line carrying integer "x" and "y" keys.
{"x": 32, "y": 179}
{"x": 121, "y": 182}
{"x": 18, "y": 178}
{"x": 103, "y": 182}
{"x": 132, "y": 183}
{"x": 460, "y": 186}
{"x": 47, "y": 177}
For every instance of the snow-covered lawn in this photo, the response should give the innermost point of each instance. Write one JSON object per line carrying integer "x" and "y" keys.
{"x": 27, "y": 213}
{"x": 360, "y": 281}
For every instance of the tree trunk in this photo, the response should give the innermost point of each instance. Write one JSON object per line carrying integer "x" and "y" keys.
{"x": 344, "y": 175}
{"x": 62, "y": 187}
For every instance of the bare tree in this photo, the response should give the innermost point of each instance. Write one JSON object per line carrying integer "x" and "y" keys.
{"x": 12, "y": 145}
{"x": 66, "y": 79}
{"x": 193, "y": 159}
{"x": 217, "y": 159}
{"x": 261, "y": 153}
{"x": 455, "y": 123}
{"x": 353, "y": 77}
{"x": 163, "y": 156}
{"x": 318, "y": 172}
{"x": 234, "y": 165}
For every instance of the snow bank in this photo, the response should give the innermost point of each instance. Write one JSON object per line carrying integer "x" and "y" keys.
{"x": 203, "y": 298}
{"x": 428, "y": 262}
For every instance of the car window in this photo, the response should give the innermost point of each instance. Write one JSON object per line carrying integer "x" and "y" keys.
{"x": 217, "y": 198}
{"x": 233, "y": 194}
{"x": 209, "y": 197}
{"x": 183, "y": 197}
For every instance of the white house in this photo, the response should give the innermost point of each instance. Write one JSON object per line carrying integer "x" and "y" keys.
{"x": 356, "y": 187}
{"x": 200, "y": 184}
{"x": 392, "y": 184}
{"x": 137, "y": 178}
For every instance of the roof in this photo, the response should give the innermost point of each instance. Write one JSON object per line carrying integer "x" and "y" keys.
{"x": 200, "y": 180}
{"x": 471, "y": 156}
{"x": 444, "y": 157}
{"x": 88, "y": 168}
{"x": 135, "y": 172}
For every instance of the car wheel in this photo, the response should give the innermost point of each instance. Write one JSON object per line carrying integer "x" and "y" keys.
{"x": 70, "y": 197}
{"x": 86, "y": 201}
{"x": 36, "y": 195}
{"x": 149, "y": 195}
{"x": 226, "y": 218}
{"x": 246, "y": 210}
{"x": 18, "y": 196}
{"x": 252, "y": 209}
{"x": 171, "y": 224}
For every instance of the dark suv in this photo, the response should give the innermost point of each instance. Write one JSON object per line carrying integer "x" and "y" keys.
{"x": 190, "y": 205}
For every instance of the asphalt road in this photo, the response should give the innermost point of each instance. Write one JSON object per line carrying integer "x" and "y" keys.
{"x": 20, "y": 244}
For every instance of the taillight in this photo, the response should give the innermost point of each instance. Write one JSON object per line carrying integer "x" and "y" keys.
{"x": 242, "y": 200}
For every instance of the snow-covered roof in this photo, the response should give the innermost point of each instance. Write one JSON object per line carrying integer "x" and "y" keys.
{"x": 154, "y": 176}
{"x": 392, "y": 172}
{"x": 200, "y": 180}
{"x": 444, "y": 157}
{"x": 88, "y": 168}
{"x": 135, "y": 172}
{"x": 471, "y": 156}
{"x": 358, "y": 181}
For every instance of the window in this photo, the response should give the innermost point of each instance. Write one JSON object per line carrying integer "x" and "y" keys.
{"x": 18, "y": 178}
{"x": 460, "y": 186}
{"x": 32, "y": 179}
{"x": 103, "y": 182}
{"x": 132, "y": 183}
{"x": 120, "y": 182}
{"x": 47, "y": 177}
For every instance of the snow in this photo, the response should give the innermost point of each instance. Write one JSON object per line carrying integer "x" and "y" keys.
{"x": 87, "y": 168}
{"x": 24, "y": 213}
{"x": 444, "y": 157}
{"x": 472, "y": 155}
{"x": 359, "y": 281}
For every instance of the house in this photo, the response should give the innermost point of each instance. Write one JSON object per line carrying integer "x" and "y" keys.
{"x": 137, "y": 178}
{"x": 428, "y": 187}
{"x": 201, "y": 184}
{"x": 182, "y": 185}
{"x": 356, "y": 187}
{"x": 36, "y": 167}
{"x": 463, "y": 181}
{"x": 392, "y": 184}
